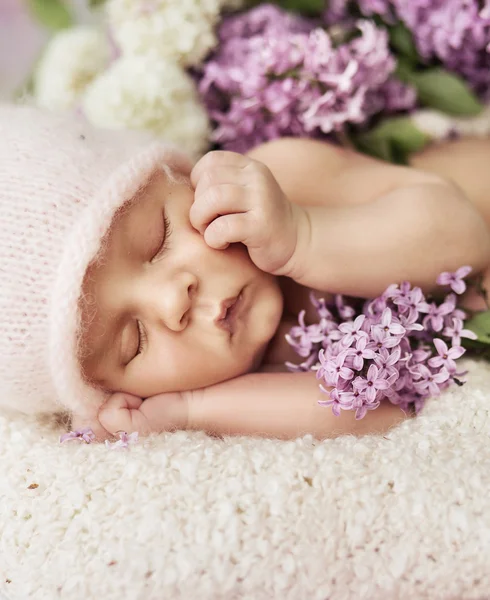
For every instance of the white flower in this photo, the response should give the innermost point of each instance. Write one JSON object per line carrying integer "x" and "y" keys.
{"x": 478, "y": 126}
{"x": 440, "y": 126}
{"x": 433, "y": 123}
{"x": 141, "y": 92}
{"x": 179, "y": 30}
{"x": 71, "y": 60}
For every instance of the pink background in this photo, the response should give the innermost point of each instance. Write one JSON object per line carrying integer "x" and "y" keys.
{"x": 22, "y": 39}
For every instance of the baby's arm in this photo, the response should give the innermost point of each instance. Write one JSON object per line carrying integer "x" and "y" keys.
{"x": 410, "y": 233}
{"x": 363, "y": 226}
{"x": 279, "y": 405}
{"x": 367, "y": 224}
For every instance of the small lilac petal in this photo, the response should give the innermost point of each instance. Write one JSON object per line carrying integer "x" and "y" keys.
{"x": 456, "y": 352}
{"x": 444, "y": 278}
{"x": 85, "y": 435}
{"x": 458, "y": 286}
{"x": 382, "y": 384}
{"x": 71, "y": 435}
{"x": 361, "y": 412}
{"x": 436, "y": 362}
{"x": 463, "y": 271}
{"x": 441, "y": 346}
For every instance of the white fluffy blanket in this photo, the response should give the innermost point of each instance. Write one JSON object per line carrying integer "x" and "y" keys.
{"x": 185, "y": 516}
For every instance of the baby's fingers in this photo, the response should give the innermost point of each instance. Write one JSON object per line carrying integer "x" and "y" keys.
{"x": 226, "y": 230}
{"x": 217, "y": 159}
{"x": 215, "y": 201}
{"x": 121, "y": 413}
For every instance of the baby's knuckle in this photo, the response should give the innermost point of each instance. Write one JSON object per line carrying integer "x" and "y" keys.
{"x": 115, "y": 399}
{"x": 254, "y": 171}
{"x": 219, "y": 157}
{"x": 262, "y": 171}
{"x": 222, "y": 227}
{"x": 215, "y": 196}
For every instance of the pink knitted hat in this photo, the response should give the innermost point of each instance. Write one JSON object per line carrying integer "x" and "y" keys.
{"x": 61, "y": 182}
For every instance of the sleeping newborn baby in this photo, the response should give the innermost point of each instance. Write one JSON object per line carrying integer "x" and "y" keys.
{"x": 162, "y": 291}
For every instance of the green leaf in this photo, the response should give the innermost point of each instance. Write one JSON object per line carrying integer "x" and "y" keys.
{"x": 480, "y": 324}
{"x": 441, "y": 90}
{"x": 393, "y": 140}
{"x": 379, "y": 148}
{"x": 51, "y": 13}
{"x": 402, "y": 41}
{"x": 96, "y": 3}
{"x": 307, "y": 7}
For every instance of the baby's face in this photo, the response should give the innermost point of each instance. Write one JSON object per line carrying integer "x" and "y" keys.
{"x": 163, "y": 312}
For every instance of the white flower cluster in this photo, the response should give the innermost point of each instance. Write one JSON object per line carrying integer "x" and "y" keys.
{"x": 146, "y": 85}
{"x": 70, "y": 62}
{"x": 440, "y": 126}
{"x": 180, "y": 30}
{"x": 139, "y": 92}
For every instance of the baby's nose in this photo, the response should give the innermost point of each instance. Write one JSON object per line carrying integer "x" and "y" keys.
{"x": 176, "y": 303}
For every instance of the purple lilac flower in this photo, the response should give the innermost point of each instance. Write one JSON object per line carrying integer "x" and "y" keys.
{"x": 436, "y": 313}
{"x": 380, "y": 339}
{"x": 454, "y": 32}
{"x": 334, "y": 401}
{"x": 277, "y": 74}
{"x": 386, "y": 361}
{"x": 333, "y": 370}
{"x": 413, "y": 302}
{"x": 352, "y": 330}
{"x": 446, "y": 357}
{"x": 456, "y": 332}
{"x": 388, "y": 325}
{"x": 304, "y": 337}
{"x": 371, "y": 384}
{"x": 360, "y": 352}
{"x": 125, "y": 440}
{"x": 428, "y": 381}
{"x": 395, "y": 96}
{"x": 85, "y": 435}
{"x": 455, "y": 280}
{"x": 389, "y": 347}
{"x": 345, "y": 311}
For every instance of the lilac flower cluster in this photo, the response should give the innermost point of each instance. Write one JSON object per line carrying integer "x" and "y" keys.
{"x": 88, "y": 436}
{"x": 401, "y": 346}
{"x": 277, "y": 74}
{"x": 456, "y": 32}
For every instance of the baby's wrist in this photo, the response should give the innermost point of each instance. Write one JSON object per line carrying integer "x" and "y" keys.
{"x": 297, "y": 265}
{"x": 166, "y": 412}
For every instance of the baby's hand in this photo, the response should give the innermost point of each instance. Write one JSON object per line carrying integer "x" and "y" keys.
{"x": 125, "y": 412}
{"x": 122, "y": 413}
{"x": 237, "y": 199}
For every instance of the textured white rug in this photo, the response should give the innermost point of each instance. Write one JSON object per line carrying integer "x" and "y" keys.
{"x": 186, "y": 516}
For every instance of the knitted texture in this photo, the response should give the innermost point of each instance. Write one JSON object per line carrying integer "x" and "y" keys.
{"x": 404, "y": 516}
{"x": 61, "y": 182}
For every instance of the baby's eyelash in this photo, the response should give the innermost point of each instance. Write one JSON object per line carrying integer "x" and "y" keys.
{"x": 167, "y": 230}
{"x": 142, "y": 335}
{"x": 143, "y": 339}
